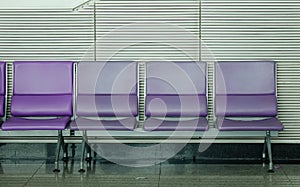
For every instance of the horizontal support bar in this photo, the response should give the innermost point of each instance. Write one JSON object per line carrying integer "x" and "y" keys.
{"x": 31, "y": 133}
{"x": 211, "y": 133}
{"x": 78, "y": 140}
{"x": 140, "y": 133}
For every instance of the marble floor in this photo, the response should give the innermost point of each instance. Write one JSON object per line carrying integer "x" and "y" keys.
{"x": 38, "y": 173}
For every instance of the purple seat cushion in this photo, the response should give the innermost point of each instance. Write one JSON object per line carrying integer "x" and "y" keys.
{"x": 107, "y": 78}
{"x": 2, "y": 78}
{"x": 246, "y": 105}
{"x": 270, "y": 124}
{"x": 250, "y": 78}
{"x": 176, "y": 78}
{"x": 107, "y": 89}
{"x": 2, "y": 87}
{"x": 245, "y": 89}
{"x": 2, "y": 104}
{"x": 152, "y": 124}
{"x": 107, "y": 105}
{"x": 175, "y": 106}
{"x": 42, "y": 88}
{"x": 41, "y": 105}
{"x": 15, "y": 123}
{"x": 176, "y": 89}
{"x": 43, "y": 78}
{"x": 89, "y": 124}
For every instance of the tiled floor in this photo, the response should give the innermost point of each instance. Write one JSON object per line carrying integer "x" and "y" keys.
{"x": 39, "y": 174}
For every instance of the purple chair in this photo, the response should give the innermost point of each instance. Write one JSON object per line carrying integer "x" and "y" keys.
{"x": 41, "y": 90}
{"x": 244, "y": 91}
{"x": 105, "y": 89}
{"x": 176, "y": 90}
{"x": 2, "y": 88}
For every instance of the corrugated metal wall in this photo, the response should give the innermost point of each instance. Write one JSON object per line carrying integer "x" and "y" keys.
{"x": 260, "y": 30}
{"x": 44, "y": 34}
{"x": 148, "y": 30}
{"x": 167, "y": 30}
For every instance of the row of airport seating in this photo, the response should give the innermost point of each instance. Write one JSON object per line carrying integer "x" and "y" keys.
{"x": 53, "y": 96}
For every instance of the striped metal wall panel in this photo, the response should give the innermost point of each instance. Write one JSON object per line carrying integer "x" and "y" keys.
{"x": 259, "y": 30}
{"x": 148, "y": 30}
{"x": 44, "y": 34}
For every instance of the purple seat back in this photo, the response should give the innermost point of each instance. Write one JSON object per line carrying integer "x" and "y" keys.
{"x": 107, "y": 89}
{"x": 2, "y": 88}
{"x": 245, "y": 89}
{"x": 175, "y": 89}
{"x": 42, "y": 88}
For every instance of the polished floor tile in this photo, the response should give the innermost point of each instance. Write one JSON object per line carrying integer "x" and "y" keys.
{"x": 99, "y": 173}
{"x": 221, "y": 175}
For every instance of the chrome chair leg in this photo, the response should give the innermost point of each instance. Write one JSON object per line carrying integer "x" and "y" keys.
{"x": 58, "y": 147}
{"x": 268, "y": 142}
